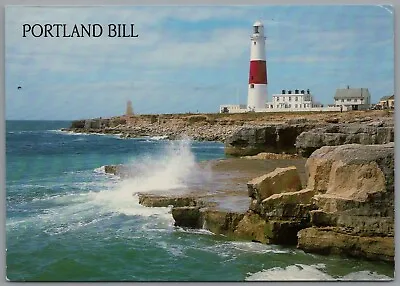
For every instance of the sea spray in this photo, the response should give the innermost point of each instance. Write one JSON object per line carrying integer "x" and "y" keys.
{"x": 173, "y": 169}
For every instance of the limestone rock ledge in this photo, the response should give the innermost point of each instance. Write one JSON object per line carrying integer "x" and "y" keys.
{"x": 342, "y": 134}
{"x": 346, "y": 207}
{"x": 279, "y": 209}
{"x": 334, "y": 241}
{"x": 354, "y": 201}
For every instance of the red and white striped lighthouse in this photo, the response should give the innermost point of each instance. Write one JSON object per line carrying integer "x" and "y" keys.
{"x": 257, "y": 95}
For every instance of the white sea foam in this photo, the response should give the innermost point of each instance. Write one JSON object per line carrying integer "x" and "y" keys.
{"x": 174, "y": 168}
{"x": 194, "y": 231}
{"x": 159, "y": 137}
{"x": 100, "y": 170}
{"x": 256, "y": 247}
{"x": 302, "y": 272}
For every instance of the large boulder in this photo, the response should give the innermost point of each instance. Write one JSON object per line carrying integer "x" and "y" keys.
{"x": 289, "y": 206}
{"x": 341, "y": 134}
{"x": 279, "y": 208}
{"x": 279, "y": 181}
{"x": 274, "y": 138}
{"x": 354, "y": 201}
{"x": 352, "y": 171}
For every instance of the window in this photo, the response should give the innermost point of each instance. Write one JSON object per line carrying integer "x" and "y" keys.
{"x": 342, "y": 100}
{"x": 295, "y": 104}
{"x": 348, "y": 100}
{"x": 355, "y": 100}
{"x": 255, "y": 29}
{"x": 251, "y": 85}
{"x": 277, "y": 98}
{"x": 296, "y": 98}
{"x": 254, "y": 43}
{"x": 290, "y": 99}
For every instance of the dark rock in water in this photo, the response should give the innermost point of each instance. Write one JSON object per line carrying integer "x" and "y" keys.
{"x": 220, "y": 222}
{"x": 149, "y": 200}
{"x": 256, "y": 228}
{"x": 124, "y": 171}
{"x": 334, "y": 135}
{"x": 275, "y": 138}
{"x": 114, "y": 169}
{"x": 187, "y": 217}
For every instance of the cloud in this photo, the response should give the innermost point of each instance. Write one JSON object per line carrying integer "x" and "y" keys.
{"x": 186, "y": 58}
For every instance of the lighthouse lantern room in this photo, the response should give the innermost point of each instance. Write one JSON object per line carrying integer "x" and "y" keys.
{"x": 257, "y": 93}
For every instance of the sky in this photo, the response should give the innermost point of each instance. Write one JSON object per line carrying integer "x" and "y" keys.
{"x": 190, "y": 59}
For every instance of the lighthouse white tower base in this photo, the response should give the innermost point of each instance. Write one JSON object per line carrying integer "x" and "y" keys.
{"x": 257, "y": 96}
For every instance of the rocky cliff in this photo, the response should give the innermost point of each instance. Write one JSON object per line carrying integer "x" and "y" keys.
{"x": 354, "y": 201}
{"x": 305, "y": 138}
{"x": 273, "y": 138}
{"x": 377, "y": 132}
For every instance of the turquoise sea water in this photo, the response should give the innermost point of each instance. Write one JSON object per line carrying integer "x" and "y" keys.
{"x": 69, "y": 221}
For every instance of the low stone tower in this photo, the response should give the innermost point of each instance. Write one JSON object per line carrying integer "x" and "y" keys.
{"x": 129, "y": 109}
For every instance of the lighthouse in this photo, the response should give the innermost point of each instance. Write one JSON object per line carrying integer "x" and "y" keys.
{"x": 257, "y": 93}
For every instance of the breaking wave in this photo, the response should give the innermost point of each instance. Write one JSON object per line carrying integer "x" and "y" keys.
{"x": 302, "y": 272}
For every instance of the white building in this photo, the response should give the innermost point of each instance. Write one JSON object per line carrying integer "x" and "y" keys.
{"x": 288, "y": 100}
{"x": 353, "y": 98}
{"x": 233, "y": 108}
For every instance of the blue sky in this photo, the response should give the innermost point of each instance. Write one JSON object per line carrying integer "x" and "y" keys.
{"x": 191, "y": 58}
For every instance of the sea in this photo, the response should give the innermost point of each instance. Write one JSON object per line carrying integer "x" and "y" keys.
{"x": 67, "y": 220}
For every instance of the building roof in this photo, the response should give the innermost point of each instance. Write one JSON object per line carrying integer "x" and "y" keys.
{"x": 257, "y": 24}
{"x": 387, "y": 97}
{"x": 344, "y": 93}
